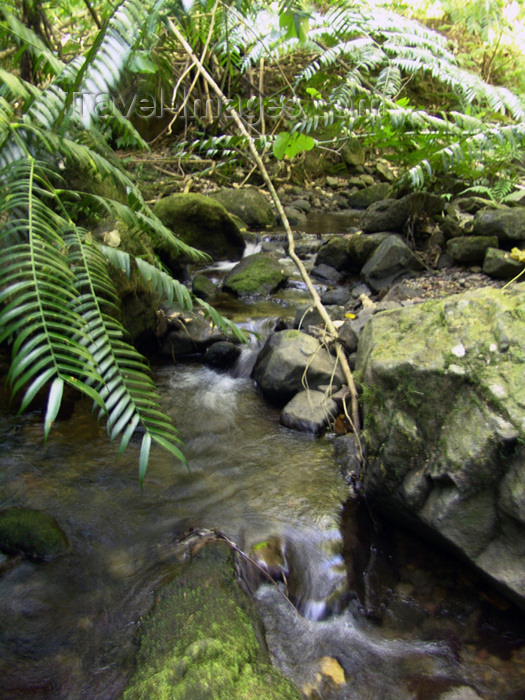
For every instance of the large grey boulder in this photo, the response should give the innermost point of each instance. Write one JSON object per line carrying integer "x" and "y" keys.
{"x": 393, "y": 214}
{"x": 385, "y": 215}
{"x": 335, "y": 253}
{"x": 249, "y": 205}
{"x": 444, "y": 419}
{"x": 361, "y": 247}
{"x": 290, "y": 361}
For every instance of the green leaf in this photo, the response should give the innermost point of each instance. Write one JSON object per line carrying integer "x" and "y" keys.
{"x": 35, "y": 387}
{"x": 54, "y": 400}
{"x": 287, "y": 145}
{"x": 314, "y": 93}
{"x": 142, "y": 63}
{"x": 294, "y": 24}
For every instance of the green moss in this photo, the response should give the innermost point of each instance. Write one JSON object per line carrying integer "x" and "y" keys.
{"x": 31, "y": 532}
{"x": 203, "y": 641}
{"x": 250, "y": 205}
{"x": 256, "y": 274}
{"x": 203, "y": 223}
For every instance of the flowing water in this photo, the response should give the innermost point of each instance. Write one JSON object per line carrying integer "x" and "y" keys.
{"x": 68, "y": 627}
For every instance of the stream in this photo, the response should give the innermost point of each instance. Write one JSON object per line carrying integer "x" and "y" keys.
{"x": 402, "y": 621}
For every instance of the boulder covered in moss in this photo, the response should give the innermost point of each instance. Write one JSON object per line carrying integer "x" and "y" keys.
{"x": 361, "y": 199}
{"x": 507, "y": 224}
{"x": 470, "y": 249}
{"x": 203, "y": 639}
{"x": 444, "y": 420}
{"x": 33, "y": 533}
{"x": 202, "y": 223}
{"x": 249, "y": 205}
{"x": 255, "y": 275}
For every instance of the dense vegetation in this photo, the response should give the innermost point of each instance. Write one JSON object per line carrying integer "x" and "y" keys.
{"x": 83, "y": 79}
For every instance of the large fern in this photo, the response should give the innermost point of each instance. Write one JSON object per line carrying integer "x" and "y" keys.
{"x": 360, "y": 59}
{"x": 58, "y": 306}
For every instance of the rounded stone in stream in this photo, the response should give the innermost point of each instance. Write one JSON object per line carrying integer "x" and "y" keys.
{"x": 256, "y": 274}
{"x": 33, "y": 533}
{"x": 222, "y": 354}
{"x": 309, "y": 412}
{"x": 287, "y": 360}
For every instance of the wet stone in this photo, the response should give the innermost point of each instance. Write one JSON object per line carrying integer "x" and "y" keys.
{"x": 33, "y": 533}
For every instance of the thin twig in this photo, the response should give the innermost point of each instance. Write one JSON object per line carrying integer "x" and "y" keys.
{"x": 341, "y": 357}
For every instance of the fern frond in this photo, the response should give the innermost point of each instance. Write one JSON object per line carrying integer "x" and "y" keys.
{"x": 126, "y": 385}
{"x": 170, "y": 289}
{"x": 37, "y": 312}
{"x": 27, "y": 38}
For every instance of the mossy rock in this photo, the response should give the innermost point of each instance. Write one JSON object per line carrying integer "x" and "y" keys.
{"x": 250, "y": 205}
{"x": 203, "y": 640}
{"x": 335, "y": 253}
{"x": 255, "y": 275}
{"x": 204, "y": 288}
{"x": 34, "y": 533}
{"x": 362, "y": 246}
{"x": 470, "y": 249}
{"x": 443, "y": 397}
{"x": 202, "y": 223}
{"x": 498, "y": 263}
{"x": 368, "y": 195}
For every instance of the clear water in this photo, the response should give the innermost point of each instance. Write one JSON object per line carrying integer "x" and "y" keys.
{"x": 67, "y": 628}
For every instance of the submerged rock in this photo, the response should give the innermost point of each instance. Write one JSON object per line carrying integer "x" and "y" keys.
{"x": 203, "y": 639}
{"x": 202, "y": 223}
{"x": 33, "y": 533}
{"x": 444, "y": 417}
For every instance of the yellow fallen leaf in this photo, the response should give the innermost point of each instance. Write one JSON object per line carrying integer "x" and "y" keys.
{"x": 332, "y": 668}
{"x": 349, "y": 315}
{"x": 518, "y": 255}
